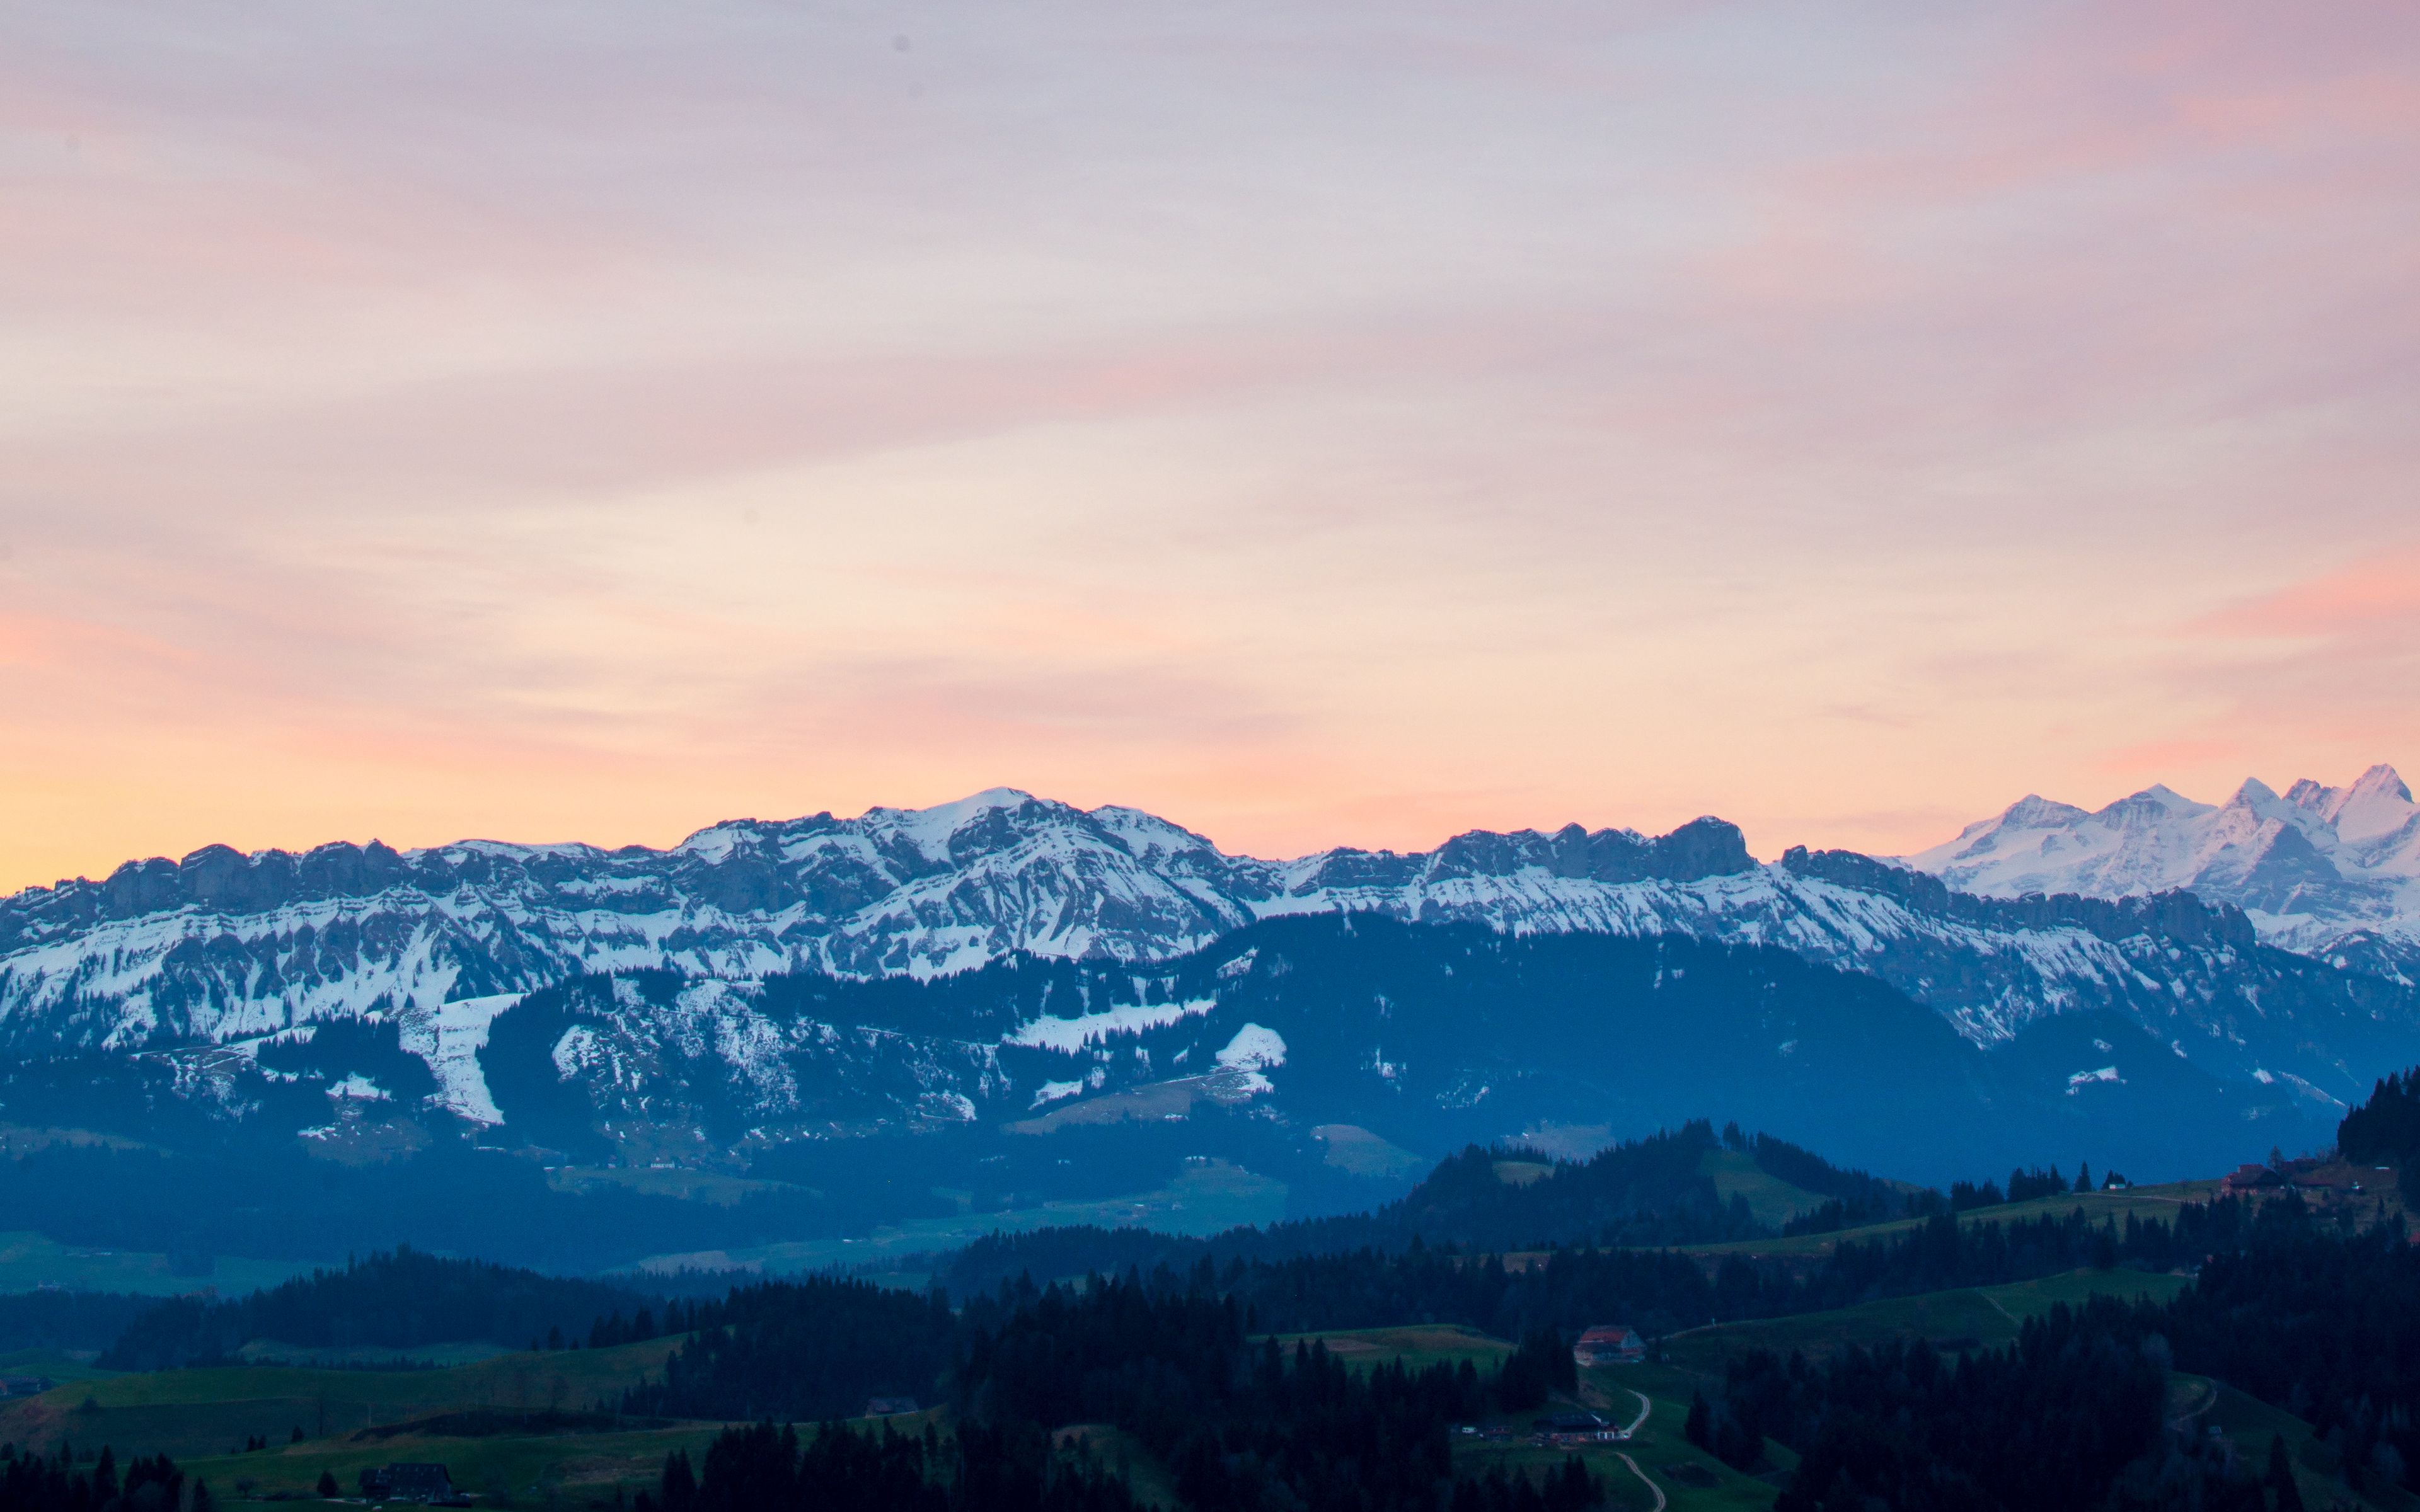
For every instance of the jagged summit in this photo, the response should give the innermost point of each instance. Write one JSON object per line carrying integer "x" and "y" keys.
{"x": 344, "y": 928}
{"x": 226, "y": 954}
{"x": 222, "y": 945}
{"x": 2318, "y": 869}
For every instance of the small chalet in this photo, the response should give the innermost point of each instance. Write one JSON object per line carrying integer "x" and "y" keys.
{"x": 25, "y": 1386}
{"x": 429, "y": 1485}
{"x": 889, "y": 1406}
{"x": 1610, "y": 1344}
{"x": 2249, "y": 1177}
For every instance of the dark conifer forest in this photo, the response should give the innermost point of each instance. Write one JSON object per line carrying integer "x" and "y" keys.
{"x": 1240, "y": 1423}
{"x": 397, "y": 1299}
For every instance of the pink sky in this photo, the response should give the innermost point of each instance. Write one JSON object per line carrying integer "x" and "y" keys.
{"x": 1315, "y": 425}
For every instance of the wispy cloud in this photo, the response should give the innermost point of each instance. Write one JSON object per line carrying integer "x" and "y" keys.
{"x": 599, "y": 419}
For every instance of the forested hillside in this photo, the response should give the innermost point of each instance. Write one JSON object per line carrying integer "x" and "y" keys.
{"x": 398, "y": 1300}
{"x": 1649, "y": 1192}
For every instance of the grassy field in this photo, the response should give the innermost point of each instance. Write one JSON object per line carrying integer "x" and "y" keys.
{"x": 29, "y": 1260}
{"x": 1774, "y": 1201}
{"x": 518, "y": 1430}
{"x": 502, "y": 1470}
{"x": 1415, "y": 1346}
{"x": 191, "y": 1414}
{"x": 1968, "y": 1317}
{"x": 1352, "y": 1147}
{"x": 2142, "y": 1201}
{"x": 50, "y": 1362}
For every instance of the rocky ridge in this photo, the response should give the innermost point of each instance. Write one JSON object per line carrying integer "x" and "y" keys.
{"x": 226, "y": 949}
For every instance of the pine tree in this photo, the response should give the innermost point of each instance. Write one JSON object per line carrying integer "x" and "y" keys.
{"x": 680, "y": 1482}
{"x": 328, "y": 1486}
{"x": 2281, "y": 1476}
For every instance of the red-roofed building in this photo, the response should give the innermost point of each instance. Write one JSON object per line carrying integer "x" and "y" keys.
{"x": 1610, "y": 1344}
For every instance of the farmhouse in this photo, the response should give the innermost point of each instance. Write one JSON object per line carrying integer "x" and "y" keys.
{"x": 2327, "y": 1182}
{"x": 1610, "y": 1344}
{"x": 25, "y": 1386}
{"x": 889, "y": 1406}
{"x": 428, "y": 1484}
{"x": 2249, "y": 1177}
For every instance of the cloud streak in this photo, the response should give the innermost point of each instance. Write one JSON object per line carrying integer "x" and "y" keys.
{"x": 597, "y": 421}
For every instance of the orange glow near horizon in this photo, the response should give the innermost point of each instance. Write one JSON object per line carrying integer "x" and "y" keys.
{"x": 1314, "y": 429}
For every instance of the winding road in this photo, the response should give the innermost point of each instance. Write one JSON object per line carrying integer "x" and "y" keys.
{"x": 1645, "y": 1408}
{"x": 1651, "y": 1487}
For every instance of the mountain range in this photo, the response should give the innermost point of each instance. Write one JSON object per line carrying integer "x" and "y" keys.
{"x": 744, "y": 998}
{"x": 2327, "y": 870}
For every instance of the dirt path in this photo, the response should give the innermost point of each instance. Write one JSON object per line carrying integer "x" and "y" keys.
{"x": 1656, "y": 1490}
{"x": 2203, "y": 1397}
{"x": 1645, "y": 1407}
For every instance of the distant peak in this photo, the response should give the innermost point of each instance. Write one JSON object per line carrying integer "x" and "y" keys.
{"x": 979, "y": 802}
{"x": 2254, "y": 794}
{"x": 2377, "y": 802}
{"x": 2033, "y": 809}
{"x": 955, "y": 811}
{"x": 2159, "y": 798}
{"x": 2384, "y": 781}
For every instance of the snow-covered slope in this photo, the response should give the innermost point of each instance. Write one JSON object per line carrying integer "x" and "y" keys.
{"x": 225, "y": 949}
{"x": 2327, "y": 870}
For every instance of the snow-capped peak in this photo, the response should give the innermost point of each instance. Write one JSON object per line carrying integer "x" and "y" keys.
{"x": 2309, "y": 866}
{"x": 2376, "y": 803}
{"x": 930, "y": 831}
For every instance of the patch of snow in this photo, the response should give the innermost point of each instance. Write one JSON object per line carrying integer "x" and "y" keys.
{"x": 1056, "y": 1091}
{"x": 1071, "y": 1035}
{"x": 1254, "y": 1048}
{"x": 449, "y": 1038}
{"x": 577, "y": 1051}
{"x": 358, "y": 1087}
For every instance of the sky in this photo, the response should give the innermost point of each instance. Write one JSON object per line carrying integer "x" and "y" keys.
{"x": 1349, "y": 424}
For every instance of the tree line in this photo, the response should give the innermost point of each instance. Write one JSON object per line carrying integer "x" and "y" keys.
{"x": 804, "y": 1351}
{"x": 38, "y": 1483}
{"x": 1239, "y": 1424}
{"x": 2303, "y": 1314}
{"x": 396, "y": 1299}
